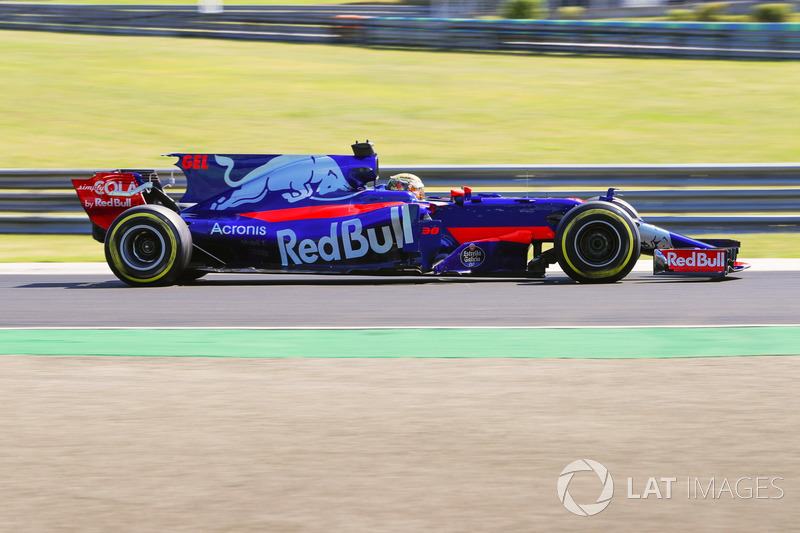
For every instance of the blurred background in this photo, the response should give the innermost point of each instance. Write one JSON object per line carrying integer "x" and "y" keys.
{"x": 117, "y": 85}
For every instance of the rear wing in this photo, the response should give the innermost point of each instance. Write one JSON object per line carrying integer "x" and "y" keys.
{"x": 106, "y": 195}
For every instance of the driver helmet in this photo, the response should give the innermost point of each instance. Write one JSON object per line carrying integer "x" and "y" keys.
{"x": 407, "y": 182}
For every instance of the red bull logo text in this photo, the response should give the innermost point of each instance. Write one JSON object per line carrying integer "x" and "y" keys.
{"x": 696, "y": 260}
{"x": 111, "y": 202}
{"x": 348, "y": 240}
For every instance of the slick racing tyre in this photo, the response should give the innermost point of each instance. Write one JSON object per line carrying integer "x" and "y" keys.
{"x": 597, "y": 242}
{"x": 623, "y": 204}
{"x": 148, "y": 245}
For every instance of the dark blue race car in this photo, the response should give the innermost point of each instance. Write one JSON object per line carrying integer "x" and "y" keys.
{"x": 331, "y": 214}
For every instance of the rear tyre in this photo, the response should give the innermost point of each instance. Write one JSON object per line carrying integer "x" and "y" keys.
{"x": 597, "y": 242}
{"x": 148, "y": 245}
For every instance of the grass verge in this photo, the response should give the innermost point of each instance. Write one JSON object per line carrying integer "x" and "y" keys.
{"x": 49, "y": 249}
{"x": 87, "y": 101}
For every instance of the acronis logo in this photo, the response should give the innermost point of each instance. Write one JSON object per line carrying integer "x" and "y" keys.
{"x": 238, "y": 229}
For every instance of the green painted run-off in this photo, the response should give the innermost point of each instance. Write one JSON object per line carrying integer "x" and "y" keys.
{"x": 579, "y": 343}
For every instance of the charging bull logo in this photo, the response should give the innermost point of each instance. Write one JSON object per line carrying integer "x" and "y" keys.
{"x": 294, "y": 177}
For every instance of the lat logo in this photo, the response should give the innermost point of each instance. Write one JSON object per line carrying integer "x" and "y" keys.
{"x": 585, "y": 509}
{"x": 696, "y": 260}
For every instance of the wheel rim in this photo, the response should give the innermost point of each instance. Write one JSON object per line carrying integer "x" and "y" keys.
{"x": 142, "y": 248}
{"x": 598, "y": 244}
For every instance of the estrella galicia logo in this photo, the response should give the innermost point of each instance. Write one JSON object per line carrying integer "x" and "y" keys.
{"x": 472, "y": 256}
{"x": 586, "y": 509}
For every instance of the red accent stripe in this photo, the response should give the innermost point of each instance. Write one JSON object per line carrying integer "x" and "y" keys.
{"x": 314, "y": 212}
{"x": 514, "y": 234}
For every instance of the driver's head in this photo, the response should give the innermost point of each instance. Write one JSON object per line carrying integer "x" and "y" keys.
{"x": 407, "y": 182}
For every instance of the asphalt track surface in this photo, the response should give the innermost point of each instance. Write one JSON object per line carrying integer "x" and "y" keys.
{"x": 253, "y": 300}
{"x": 228, "y": 444}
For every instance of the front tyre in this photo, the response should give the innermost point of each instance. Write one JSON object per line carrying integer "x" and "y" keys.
{"x": 597, "y": 242}
{"x": 148, "y": 245}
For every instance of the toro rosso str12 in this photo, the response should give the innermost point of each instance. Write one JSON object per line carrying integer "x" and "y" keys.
{"x": 330, "y": 214}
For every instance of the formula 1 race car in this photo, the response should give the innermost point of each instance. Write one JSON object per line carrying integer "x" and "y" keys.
{"x": 329, "y": 214}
